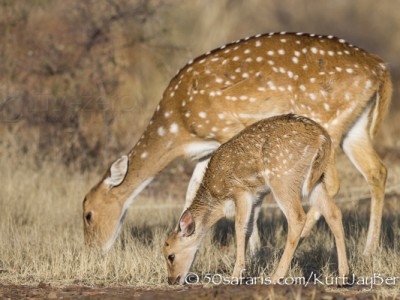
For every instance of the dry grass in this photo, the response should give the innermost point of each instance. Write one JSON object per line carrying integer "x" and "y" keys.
{"x": 84, "y": 83}
{"x": 41, "y": 235}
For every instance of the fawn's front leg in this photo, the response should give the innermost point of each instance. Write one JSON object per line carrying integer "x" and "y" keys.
{"x": 243, "y": 227}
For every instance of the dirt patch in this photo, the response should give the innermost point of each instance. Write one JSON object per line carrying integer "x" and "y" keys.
{"x": 191, "y": 292}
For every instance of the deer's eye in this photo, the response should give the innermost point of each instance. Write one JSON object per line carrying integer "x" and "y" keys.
{"x": 88, "y": 217}
{"x": 171, "y": 258}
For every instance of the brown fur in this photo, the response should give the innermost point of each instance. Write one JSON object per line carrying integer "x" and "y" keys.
{"x": 382, "y": 104}
{"x": 220, "y": 93}
{"x": 279, "y": 155}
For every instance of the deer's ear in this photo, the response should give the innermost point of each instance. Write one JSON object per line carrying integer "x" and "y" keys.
{"x": 186, "y": 224}
{"x": 118, "y": 171}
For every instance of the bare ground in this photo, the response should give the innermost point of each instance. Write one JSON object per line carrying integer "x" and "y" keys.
{"x": 192, "y": 292}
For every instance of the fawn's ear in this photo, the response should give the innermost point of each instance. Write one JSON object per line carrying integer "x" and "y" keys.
{"x": 186, "y": 224}
{"x": 118, "y": 171}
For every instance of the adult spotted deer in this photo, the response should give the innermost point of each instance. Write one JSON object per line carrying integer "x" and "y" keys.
{"x": 215, "y": 96}
{"x": 285, "y": 155}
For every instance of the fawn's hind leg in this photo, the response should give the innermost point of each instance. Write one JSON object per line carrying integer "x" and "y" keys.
{"x": 332, "y": 185}
{"x": 324, "y": 204}
{"x": 296, "y": 218}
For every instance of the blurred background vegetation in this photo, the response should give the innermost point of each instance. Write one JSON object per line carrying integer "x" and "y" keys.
{"x": 80, "y": 79}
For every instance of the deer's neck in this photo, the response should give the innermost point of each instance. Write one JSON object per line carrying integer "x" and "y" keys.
{"x": 150, "y": 155}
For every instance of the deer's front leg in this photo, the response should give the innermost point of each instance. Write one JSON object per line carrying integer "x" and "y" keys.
{"x": 243, "y": 226}
{"x": 254, "y": 240}
{"x": 195, "y": 181}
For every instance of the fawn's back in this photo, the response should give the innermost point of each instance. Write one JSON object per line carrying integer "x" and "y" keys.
{"x": 279, "y": 149}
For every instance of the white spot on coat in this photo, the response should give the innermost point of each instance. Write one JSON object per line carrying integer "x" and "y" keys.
{"x": 202, "y": 115}
{"x": 161, "y": 131}
{"x": 174, "y": 128}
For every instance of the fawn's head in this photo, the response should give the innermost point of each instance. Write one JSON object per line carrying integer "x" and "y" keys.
{"x": 180, "y": 249}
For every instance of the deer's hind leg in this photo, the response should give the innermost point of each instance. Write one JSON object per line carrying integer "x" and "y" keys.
{"x": 358, "y": 147}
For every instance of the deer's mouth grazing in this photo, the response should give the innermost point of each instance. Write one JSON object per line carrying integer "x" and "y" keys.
{"x": 174, "y": 281}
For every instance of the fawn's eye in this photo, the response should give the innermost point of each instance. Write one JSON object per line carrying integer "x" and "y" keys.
{"x": 171, "y": 258}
